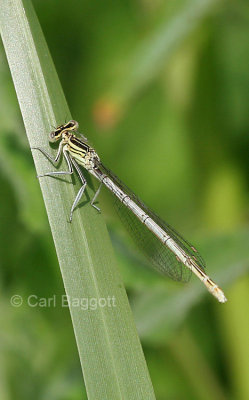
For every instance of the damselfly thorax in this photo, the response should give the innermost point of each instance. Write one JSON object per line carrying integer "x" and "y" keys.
{"x": 84, "y": 154}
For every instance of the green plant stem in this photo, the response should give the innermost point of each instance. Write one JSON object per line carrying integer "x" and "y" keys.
{"x": 110, "y": 352}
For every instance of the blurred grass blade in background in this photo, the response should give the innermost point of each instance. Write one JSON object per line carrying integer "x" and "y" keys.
{"x": 149, "y": 57}
{"x": 110, "y": 352}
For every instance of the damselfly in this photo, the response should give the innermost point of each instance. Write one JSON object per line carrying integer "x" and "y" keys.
{"x": 168, "y": 252}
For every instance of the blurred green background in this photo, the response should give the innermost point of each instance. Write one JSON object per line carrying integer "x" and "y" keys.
{"x": 161, "y": 90}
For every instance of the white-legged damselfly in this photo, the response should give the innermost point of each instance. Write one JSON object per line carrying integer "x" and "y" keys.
{"x": 166, "y": 249}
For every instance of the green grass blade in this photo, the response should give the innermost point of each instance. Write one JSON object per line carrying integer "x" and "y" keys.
{"x": 110, "y": 352}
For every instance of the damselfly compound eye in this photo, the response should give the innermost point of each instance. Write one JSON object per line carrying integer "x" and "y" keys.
{"x": 52, "y": 137}
{"x": 73, "y": 125}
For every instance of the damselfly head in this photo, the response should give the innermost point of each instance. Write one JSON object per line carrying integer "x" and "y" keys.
{"x": 70, "y": 126}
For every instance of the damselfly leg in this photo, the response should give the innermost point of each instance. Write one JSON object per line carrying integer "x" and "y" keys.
{"x": 81, "y": 190}
{"x": 71, "y": 163}
{"x": 55, "y": 161}
{"x": 95, "y": 197}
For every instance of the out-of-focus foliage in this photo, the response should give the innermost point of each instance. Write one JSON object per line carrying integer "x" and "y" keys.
{"x": 161, "y": 89}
